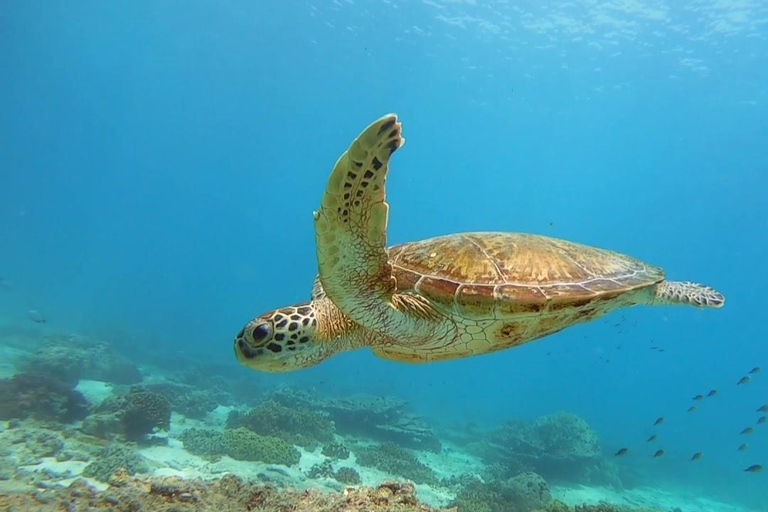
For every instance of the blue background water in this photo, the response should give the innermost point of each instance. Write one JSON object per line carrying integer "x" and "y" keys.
{"x": 160, "y": 163}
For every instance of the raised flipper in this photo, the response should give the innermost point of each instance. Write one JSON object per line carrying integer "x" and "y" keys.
{"x": 687, "y": 293}
{"x": 351, "y": 233}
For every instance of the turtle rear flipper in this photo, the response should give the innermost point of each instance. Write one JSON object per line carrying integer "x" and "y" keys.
{"x": 687, "y": 293}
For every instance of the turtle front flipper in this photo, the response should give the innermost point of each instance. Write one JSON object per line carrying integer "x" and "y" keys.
{"x": 686, "y": 293}
{"x": 351, "y": 233}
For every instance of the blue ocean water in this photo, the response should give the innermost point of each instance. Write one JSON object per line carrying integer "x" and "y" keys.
{"x": 161, "y": 162}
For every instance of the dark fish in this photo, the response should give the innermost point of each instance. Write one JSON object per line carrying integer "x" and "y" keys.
{"x": 744, "y": 380}
{"x": 692, "y": 408}
{"x": 748, "y": 430}
{"x": 622, "y": 451}
{"x": 699, "y": 398}
{"x": 712, "y": 393}
{"x": 659, "y": 453}
{"x": 754, "y": 468}
{"x": 652, "y": 438}
{"x": 754, "y": 370}
{"x": 742, "y": 447}
{"x": 763, "y": 408}
{"x": 697, "y": 456}
{"x": 659, "y": 421}
{"x": 36, "y": 316}
{"x": 761, "y": 420}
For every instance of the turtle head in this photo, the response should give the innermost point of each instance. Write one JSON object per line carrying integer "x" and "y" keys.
{"x": 282, "y": 340}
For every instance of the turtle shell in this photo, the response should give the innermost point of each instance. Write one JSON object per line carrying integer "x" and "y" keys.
{"x": 511, "y": 274}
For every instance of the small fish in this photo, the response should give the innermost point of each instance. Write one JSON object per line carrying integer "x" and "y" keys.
{"x": 699, "y": 398}
{"x": 659, "y": 453}
{"x": 754, "y": 468}
{"x": 652, "y": 438}
{"x": 744, "y": 380}
{"x": 692, "y": 408}
{"x": 761, "y": 420}
{"x": 659, "y": 421}
{"x": 697, "y": 456}
{"x": 747, "y": 431}
{"x": 754, "y": 370}
{"x": 621, "y": 452}
{"x": 36, "y": 316}
{"x": 763, "y": 408}
{"x": 742, "y": 447}
{"x": 712, "y": 393}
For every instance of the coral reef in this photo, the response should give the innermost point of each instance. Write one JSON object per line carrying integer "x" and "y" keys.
{"x": 297, "y": 425}
{"x": 335, "y": 451}
{"x": 70, "y": 358}
{"x": 396, "y": 461}
{"x": 380, "y": 418}
{"x": 27, "y": 395}
{"x": 186, "y": 400}
{"x": 347, "y": 476}
{"x": 170, "y": 494}
{"x": 131, "y": 416}
{"x": 241, "y": 444}
{"x": 523, "y": 493}
{"x": 560, "y": 446}
{"x": 112, "y": 458}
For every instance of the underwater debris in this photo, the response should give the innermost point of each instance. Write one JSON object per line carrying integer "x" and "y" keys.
{"x": 36, "y": 316}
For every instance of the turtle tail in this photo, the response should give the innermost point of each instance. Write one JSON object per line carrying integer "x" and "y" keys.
{"x": 686, "y": 293}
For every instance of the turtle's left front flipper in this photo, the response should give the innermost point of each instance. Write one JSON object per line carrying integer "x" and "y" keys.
{"x": 686, "y": 293}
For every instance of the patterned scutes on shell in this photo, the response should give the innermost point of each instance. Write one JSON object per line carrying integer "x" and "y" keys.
{"x": 526, "y": 272}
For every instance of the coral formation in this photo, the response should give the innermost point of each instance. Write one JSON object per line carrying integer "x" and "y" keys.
{"x": 347, "y": 476}
{"x": 70, "y": 358}
{"x": 396, "y": 461}
{"x": 172, "y": 494}
{"x": 132, "y": 416}
{"x": 112, "y": 458}
{"x": 523, "y": 493}
{"x": 560, "y": 446}
{"x": 27, "y": 395}
{"x": 380, "y": 418}
{"x": 186, "y": 400}
{"x": 335, "y": 451}
{"x": 241, "y": 444}
{"x": 297, "y": 425}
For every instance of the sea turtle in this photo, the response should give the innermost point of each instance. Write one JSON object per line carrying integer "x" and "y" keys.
{"x": 446, "y": 297}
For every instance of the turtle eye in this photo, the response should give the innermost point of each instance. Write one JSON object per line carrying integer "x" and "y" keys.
{"x": 261, "y": 332}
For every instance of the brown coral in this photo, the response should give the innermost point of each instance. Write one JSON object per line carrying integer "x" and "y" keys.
{"x": 230, "y": 493}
